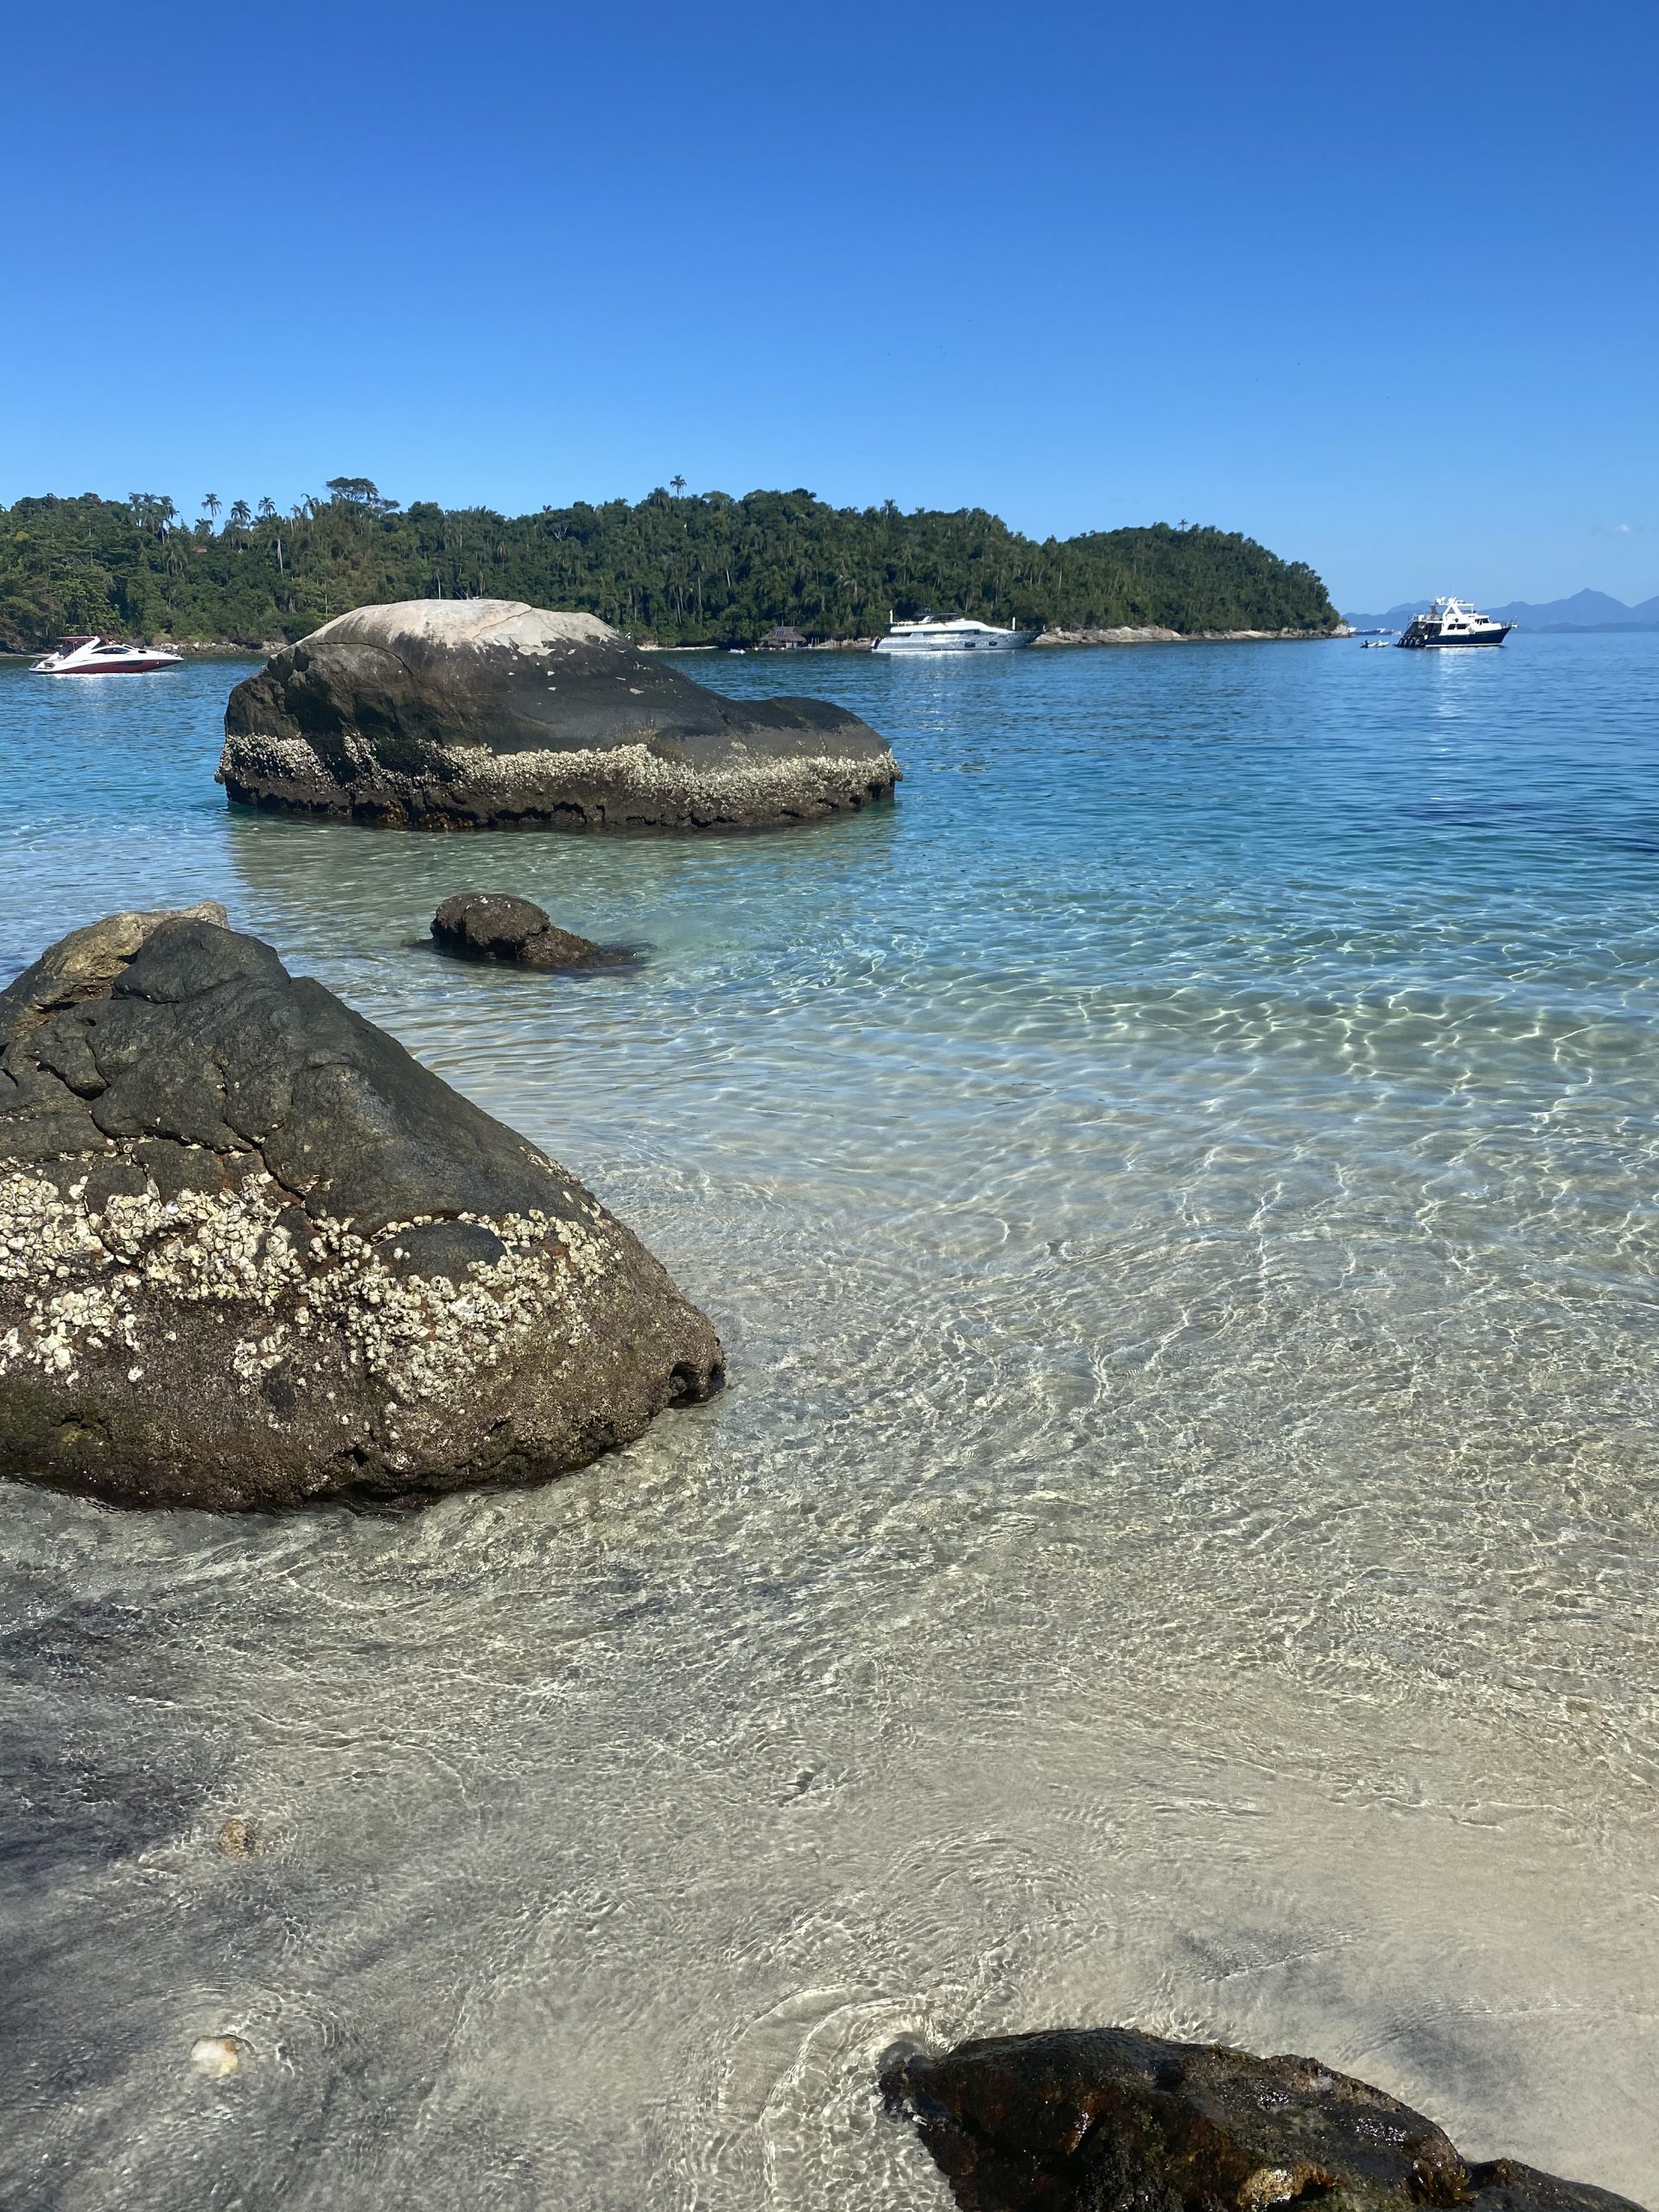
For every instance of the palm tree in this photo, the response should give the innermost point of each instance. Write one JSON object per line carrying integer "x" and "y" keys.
{"x": 240, "y": 515}
{"x": 212, "y": 503}
{"x": 677, "y": 483}
{"x": 151, "y": 512}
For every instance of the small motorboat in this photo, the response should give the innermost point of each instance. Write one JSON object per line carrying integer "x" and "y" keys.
{"x": 105, "y": 656}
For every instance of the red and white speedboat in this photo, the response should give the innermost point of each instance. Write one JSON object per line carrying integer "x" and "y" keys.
{"x": 105, "y": 657}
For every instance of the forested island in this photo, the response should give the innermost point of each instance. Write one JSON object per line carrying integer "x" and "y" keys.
{"x": 676, "y": 568}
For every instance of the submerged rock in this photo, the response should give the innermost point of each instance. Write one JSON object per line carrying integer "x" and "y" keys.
{"x": 464, "y": 714}
{"x": 253, "y": 1253}
{"x": 492, "y": 926}
{"x": 1102, "y": 2119}
{"x": 217, "y": 2056}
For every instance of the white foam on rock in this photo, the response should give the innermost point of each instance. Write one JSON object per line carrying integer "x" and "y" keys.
{"x": 477, "y": 622}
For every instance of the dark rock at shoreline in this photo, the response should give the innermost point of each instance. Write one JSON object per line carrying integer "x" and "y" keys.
{"x": 251, "y": 1253}
{"x": 493, "y": 926}
{"x": 473, "y": 714}
{"x": 1104, "y": 2119}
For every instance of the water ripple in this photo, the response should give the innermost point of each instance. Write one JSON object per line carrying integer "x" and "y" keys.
{"x": 1178, "y": 1193}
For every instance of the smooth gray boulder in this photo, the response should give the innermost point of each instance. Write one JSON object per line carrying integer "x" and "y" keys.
{"x": 1106, "y": 2120}
{"x": 449, "y": 714}
{"x": 495, "y": 925}
{"x": 251, "y": 1253}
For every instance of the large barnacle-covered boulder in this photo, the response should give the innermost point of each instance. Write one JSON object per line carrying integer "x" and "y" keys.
{"x": 447, "y": 714}
{"x": 253, "y": 1253}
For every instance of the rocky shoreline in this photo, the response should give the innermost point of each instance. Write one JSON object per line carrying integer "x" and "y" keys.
{"x": 190, "y": 648}
{"x": 1145, "y": 634}
{"x": 1153, "y": 634}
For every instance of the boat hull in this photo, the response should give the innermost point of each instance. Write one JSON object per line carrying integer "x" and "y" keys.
{"x": 999, "y": 641}
{"x": 1452, "y": 621}
{"x": 113, "y": 668}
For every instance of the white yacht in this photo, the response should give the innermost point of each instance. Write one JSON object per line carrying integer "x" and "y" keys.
{"x": 105, "y": 657}
{"x": 1454, "y": 622}
{"x": 958, "y": 635}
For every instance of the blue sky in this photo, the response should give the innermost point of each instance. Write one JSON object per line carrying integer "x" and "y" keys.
{"x": 1381, "y": 291}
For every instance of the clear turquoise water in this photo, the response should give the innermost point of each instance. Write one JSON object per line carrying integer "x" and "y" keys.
{"x": 1179, "y": 1194}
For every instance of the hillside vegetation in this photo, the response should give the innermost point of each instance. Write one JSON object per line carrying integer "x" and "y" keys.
{"x": 697, "y": 569}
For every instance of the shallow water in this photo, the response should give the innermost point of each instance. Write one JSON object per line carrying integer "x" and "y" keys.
{"x": 1178, "y": 1191}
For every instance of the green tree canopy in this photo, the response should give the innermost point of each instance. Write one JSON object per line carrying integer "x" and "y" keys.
{"x": 677, "y": 569}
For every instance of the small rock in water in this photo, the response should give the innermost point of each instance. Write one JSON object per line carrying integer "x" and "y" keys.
{"x": 1104, "y": 2120}
{"x": 239, "y": 1839}
{"x": 495, "y": 925}
{"x": 217, "y": 2056}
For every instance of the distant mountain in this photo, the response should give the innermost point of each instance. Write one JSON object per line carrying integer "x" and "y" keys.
{"x": 1585, "y": 610}
{"x": 1395, "y": 618}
